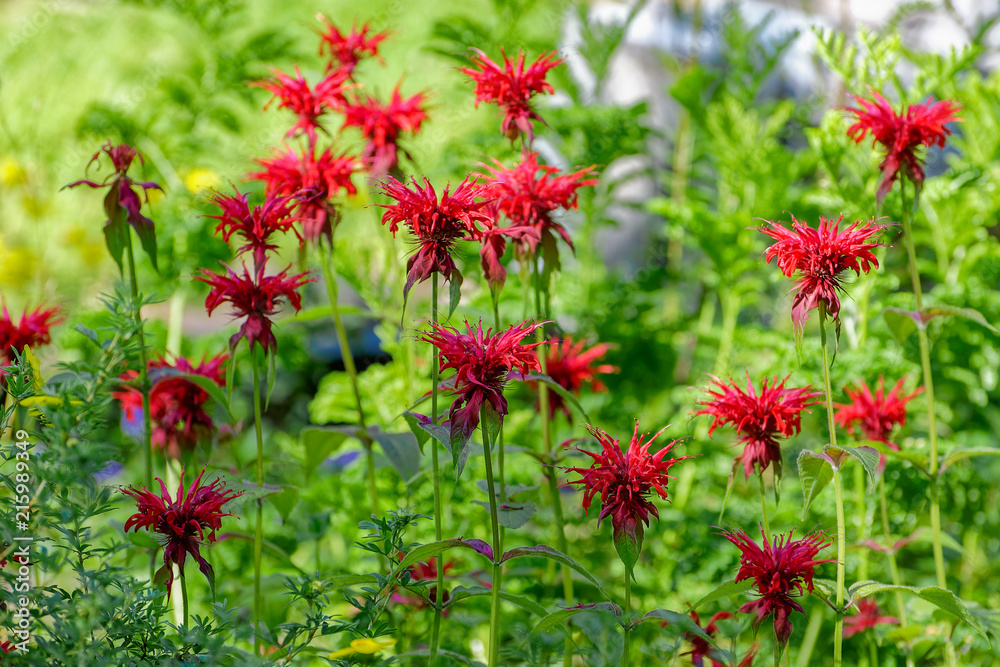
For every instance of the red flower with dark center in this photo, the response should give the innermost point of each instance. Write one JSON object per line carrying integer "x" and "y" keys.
{"x": 382, "y": 126}
{"x": 34, "y": 329}
{"x": 779, "y": 569}
{"x": 183, "y": 522}
{"x": 122, "y": 198}
{"x": 820, "y": 257}
{"x": 528, "y": 195}
{"x": 700, "y": 648}
{"x": 310, "y": 104}
{"x": 901, "y": 134}
{"x": 758, "y": 417}
{"x": 877, "y": 414}
{"x": 255, "y": 298}
{"x": 436, "y": 223}
{"x": 624, "y": 482}
{"x": 571, "y": 366}
{"x": 347, "y": 50}
{"x": 511, "y": 87}
{"x": 866, "y": 616}
{"x": 312, "y": 182}
{"x": 482, "y": 362}
{"x": 256, "y": 225}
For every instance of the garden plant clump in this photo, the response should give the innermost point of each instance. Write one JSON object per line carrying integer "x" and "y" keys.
{"x": 364, "y": 381}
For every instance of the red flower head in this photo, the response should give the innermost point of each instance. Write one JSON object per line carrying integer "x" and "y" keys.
{"x": 782, "y": 565}
{"x": 511, "y": 87}
{"x": 122, "y": 201}
{"x": 256, "y": 225}
{"x": 346, "y": 51}
{"x": 436, "y": 223}
{"x": 481, "y": 362}
{"x": 700, "y": 648}
{"x": 383, "y": 124}
{"x": 758, "y": 418}
{"x": 901, "y": 134}
{"x": 34, "y": 330}
{"x": 424, "y": 572}
{"x": 294, "y": 94}
{"x": 624, "y": 482}
{"x": 867, "y": 616}
{"x": 254, "y": 297}
{"x": 313, "y": 182}
{"x": 876, "y": 414}
{"x": 528, "y": 194}
{"x": 821, "y": 256}
{"x": 182, "y": 523}
{"x": 570, "y": 366}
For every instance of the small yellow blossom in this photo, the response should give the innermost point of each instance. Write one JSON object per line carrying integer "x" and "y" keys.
{"x": 366, "y": 645}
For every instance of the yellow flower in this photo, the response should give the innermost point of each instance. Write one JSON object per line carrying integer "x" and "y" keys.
{"x": 11, "y": 173}
{"x": 199, "y": 179}
{"x": 366, "y": 645}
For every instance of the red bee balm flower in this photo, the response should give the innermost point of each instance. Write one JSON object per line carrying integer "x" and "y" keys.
{"x": 294, "y": 94}
{"x": 570, "y": 366}
{"x": 346, "y": 51}
{"x": 123, "y": 202}
{"x": 313, "y": 182}
{"x": 481, "y": 362}
{"x": 624, "y": 480}
{"x": 877, "y": 413}
{"x": 700, "y": 648}
{"x": 254, "y": 297}
{"x": 183, "y": 522}
{"x": 901, "y": 134}
{"x": 256, "y": 225}
{"x": 511, "y": 87}
{"x": 758, "y": 418}
{"x": 779, "y": 567}
{"x": 34, "y": 330}
{"x": 437, "y": 223}
{"x": 382, "y": 124}
{"x": 820, "y": 257}
{"x": 867, "y": 616}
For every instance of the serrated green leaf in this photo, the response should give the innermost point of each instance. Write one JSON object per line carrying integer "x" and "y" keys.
{"x": 815, "y": 473}
{"x": 544, "y": 551}
{"x": 462, "y": 592}
{"x": 401, "y": 449}
{"x": 419, "y": 433}
{"x": 512, "y": 516}
{"x": 867, "y": 456}
{"x": 939, "y": 597}
{"x": 725, "y": 590}
{"x": 560, "y": 617}
{"x": 337, "y": 582}
{"x": 425, "y": 551}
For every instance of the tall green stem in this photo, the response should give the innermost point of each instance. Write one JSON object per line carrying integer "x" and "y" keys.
{"x": 763, "y": 502}
{"x": 143, "y": 376}
{"x": 838, "y": 486}
{"x": 330, "y": 278}
{"x": 438, "y": 535}
{"x": 625, "y": 619}
{"x": 494, "y": 648}
{"x": 258, "y": 540}
{"x": 184, "y": 596}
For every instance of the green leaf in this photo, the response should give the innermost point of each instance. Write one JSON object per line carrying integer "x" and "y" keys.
{"x": 867, "y": 456}
{"x": 956, "y": 455}
{"x": 917, "y": 459}
{"x": 559, "y": 389}
{"x": 971, "y": 314}
{"x": 462, "y": 592}
{"x": 512, "y": 516}
{"x": 815, "y": 472}
{"x": 321, "y": 441}
{"x": 114, "y": 236}
{"x": 902, "y": 323}
{"x": 147, "y": 238}
{"x": 490, "y": 420}
{"x": 455, "y": 291}
{"x": 416, "y": 428}
{"x": 724, "y": 591}
{"x": 401, "y": 449}
{"x": 628, "y": 544}
{"x": 675, "y": 619}
{"x": 340, "y": 581}
{"x": 939, "y": 597}
{"x": 285, "y": 500}
{"x": 209, "y": 386}
{"x": 550, "y": 553}
{"x": 425, "y": 551}
{"x": 451, "y": 655}
{"x": 272, "y": 375}
{"x": 560, "y": 617}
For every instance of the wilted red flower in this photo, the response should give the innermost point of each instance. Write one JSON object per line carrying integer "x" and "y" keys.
{"x": 312, "y": 182}
{"x": 382, "y": 124}
{"x": 901, "y": 134}
{"x": 624, "y": 482}
{"x": 481, "y": 362}
{"x": 255, "y": 298}
{"x": 121, "y": 198}
{"x": 346, "y": 51}
{"x": 700, "y": 648}
{"x": 182, "y": 522}
{"x": 866, "y": 616}
{"x": 877, "y": 414}
{"x": 528, "y": 194}
{"x": 571, "y": 366}
{"x": 436, "y": 223}
{"x": 758, "y": 418}
{"x": 256, "y": 225}
{"x": 33, "y": 329}
{"x": 294, "y": 94}
{"x": 781, "y": 566}
{"x": 820, "y": 257}
{"x": 511, "y": 87}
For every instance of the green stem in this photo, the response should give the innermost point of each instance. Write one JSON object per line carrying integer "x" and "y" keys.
{"x": 143, "y": 375}
{"x": 763, "y": 503}
{"x": 804, "y": 658}
{"x": 438, "y": 534}
{"x": 838, "y": 486}
{"x": 625, "y": 618}
{"x": 872, "y": 651}
{"x": 861, "y": 509}
{"x": 777, "y": 646}
{"x": 258, "y": 541}
{"x": 494, "y": 647}
{"x": 184, "y": 596}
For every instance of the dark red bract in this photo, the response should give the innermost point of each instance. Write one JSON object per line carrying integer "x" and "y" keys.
{"x": 758, "y": 417}
{"x": 382, "y": 126}
{"x": 818, "y": 258}
{"x": 779, "y": 569}
{"x": 901, "y": 134}
{"x": 347, "y": 50}
{"x": 571, "y": 366}
{"x": 866, "y": 616}
{"x": 257, "y": 226}
{"x": 182, "y": 522}
{"x": 33, "y": 329}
